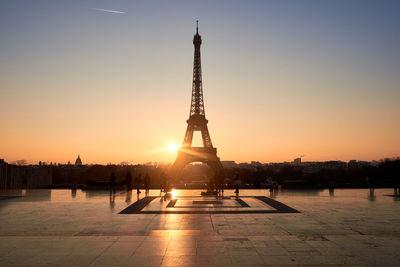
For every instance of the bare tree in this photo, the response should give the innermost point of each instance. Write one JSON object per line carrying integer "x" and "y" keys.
{"x": 20, "y": 162}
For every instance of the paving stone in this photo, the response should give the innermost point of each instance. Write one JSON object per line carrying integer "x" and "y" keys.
{"x": 179, "y": 260}
{"x": 272, "y": 251}
{"x": 210, "y": 260}
{"x": 246, "y": 259}
{"x": 54, "y": 228}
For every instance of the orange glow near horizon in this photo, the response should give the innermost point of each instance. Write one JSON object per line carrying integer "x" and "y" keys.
{"x": 116, "y": 88}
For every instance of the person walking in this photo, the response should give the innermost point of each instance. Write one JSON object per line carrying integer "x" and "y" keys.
{"x": 147, "y": 183}
{"x": 137, "y": 182}
{"x": 128, "y": 181}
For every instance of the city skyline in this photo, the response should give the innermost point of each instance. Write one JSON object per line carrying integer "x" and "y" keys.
{"x": 226, "y": 163}
{"x": 112, "y": 81}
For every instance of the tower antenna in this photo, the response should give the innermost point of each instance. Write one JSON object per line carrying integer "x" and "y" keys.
{"x": 197, "y": 27}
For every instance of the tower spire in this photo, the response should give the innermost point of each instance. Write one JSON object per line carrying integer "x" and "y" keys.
{"x": 197, "y": 27}
{"x": 197, "y": 104}
{"x": 197, "y": 118}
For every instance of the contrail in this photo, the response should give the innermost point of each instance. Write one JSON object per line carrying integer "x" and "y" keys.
{"x": 108, "y": 10}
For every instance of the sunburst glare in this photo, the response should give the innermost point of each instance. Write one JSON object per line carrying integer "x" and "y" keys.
{"x": 172, "y": 147}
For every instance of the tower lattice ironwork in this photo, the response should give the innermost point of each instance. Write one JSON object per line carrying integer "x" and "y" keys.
{"x": 197, "y": 121}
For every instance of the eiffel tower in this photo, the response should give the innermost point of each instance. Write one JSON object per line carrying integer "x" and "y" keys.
{"x": 197, "y": 122}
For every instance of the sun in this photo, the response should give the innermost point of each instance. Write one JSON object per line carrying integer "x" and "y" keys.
{"x": 172, "y": 147}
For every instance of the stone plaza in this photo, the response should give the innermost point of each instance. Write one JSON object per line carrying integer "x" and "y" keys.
{"x": 341, "y": 227}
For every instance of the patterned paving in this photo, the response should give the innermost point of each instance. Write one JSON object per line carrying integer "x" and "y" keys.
{"x": 77, "y": 228}
{"x": 207, "y": 205}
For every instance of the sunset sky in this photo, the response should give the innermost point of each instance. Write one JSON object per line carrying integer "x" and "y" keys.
{"x": 111, "y": 80}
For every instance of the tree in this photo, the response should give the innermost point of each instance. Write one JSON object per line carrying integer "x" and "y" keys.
{"x": 20, "y": 162}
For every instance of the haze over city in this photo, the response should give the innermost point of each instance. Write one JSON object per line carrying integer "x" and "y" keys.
{"x": 111, "y": 80}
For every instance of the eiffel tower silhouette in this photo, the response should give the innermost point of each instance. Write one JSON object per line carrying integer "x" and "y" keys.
{"x": 197, "y": 122}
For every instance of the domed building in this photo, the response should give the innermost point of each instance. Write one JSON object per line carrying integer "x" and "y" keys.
{"x": 78, "y": 161}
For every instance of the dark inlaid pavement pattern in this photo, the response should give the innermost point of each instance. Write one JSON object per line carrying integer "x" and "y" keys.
{"x": 208, "y": 205}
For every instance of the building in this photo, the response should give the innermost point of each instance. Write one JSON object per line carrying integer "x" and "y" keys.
{"x": 334, "y": 164}
{"x": 297, "y": 161}
{"x": 18, "y": 177}
{"x": 228, "y": 163}
{"x": 78, "y": 161}
{"x": 352, "y": 164}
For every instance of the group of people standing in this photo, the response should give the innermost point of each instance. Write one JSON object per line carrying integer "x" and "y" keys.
{"x": 218, "y": 181}
{"x": 137, "y": 182}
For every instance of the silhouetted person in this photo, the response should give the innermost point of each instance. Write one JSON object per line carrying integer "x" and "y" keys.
{"x": 371, "y": 195}
{"x": 269, "y": 184}
{"x": 137, "y": 183}
{"x": 128, "y": 181}
{"x": 331, "y": 184}
{"x": 237, "y": 183}
{"x": 112, "y": 183}
{"x": 331, "y": 192}
{"x": 147, "y": 183}
{"x": 219, "y": 178}
{"x": 73, "y": 191}
{"x": 370, "y": 181}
